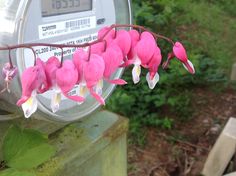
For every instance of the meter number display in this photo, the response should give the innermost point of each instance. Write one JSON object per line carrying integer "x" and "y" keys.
{"x": 60, "y": 7}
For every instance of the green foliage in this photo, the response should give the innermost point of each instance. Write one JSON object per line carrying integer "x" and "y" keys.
{"x": 25, "y": 149}
{"x": 206, "y": 28}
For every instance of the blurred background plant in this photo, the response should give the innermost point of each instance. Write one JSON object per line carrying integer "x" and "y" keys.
{"x": 201, "y": 26}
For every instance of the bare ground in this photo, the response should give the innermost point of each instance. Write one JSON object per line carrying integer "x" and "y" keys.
{"x": 184, "y": 149}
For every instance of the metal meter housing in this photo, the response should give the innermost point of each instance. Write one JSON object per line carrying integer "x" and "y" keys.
{"x": 56, "y": 21}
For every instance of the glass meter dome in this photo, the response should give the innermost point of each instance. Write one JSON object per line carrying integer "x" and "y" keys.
{"x": 54, "y": 21}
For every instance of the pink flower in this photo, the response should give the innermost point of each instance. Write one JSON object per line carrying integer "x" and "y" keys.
{"x": 123, "y": 40}
{"x": 153, "y": 77}
{"x": 98, "y": 48}
{"x": 80, "y": 57}
{"x": 32, "y": 81}
{"x": 135, "y": 37}
{"x": 8, "y": 74}
{"x": 167, "y": 62}
{"x": 180, "y": 53}
{"x": 142, "y": 54}
{"x": 110, "y": 35}
{"x": 51, "y": 67}
{"x": 66, "y": 79}
{"x": 91, "y": 70}
{"x": 44, "y": 87}
{"x": 93, "y": 74}
{"x": 112, "y": 57}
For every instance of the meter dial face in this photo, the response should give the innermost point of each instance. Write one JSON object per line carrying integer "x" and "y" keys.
{"x": 69, "y": 22}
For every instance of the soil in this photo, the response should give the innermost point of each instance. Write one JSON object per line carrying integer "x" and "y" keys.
{"x": 184, "y": 149}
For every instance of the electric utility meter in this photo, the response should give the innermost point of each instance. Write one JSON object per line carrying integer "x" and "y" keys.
{"x": 54, "y": 21}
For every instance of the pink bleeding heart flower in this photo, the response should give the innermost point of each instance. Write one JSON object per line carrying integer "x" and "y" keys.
{"x": 135, "y": 37}
{"x": 51, "y": 67}
{"x": 112, "y": 57}
{"x": 44, "y": 86}
{"x": 180, "y": 53}
{"x": 66, "y": 79}
{"x": 109, "y": 36}
{"x": 98, "y": 48}
{"x": 93, "y": 74}
{"x": 152, "y": 76}
{"x": 91, "y": 70}
{"x": 144, "y": 51}
{"x": 145, "y": 48}
{"x": 123, "y": 40}
{"x": 80, "y": 58}
{"x": 32, "y": 80}
{"x": 170, "y": 56}
{"x": 8, "y": 74}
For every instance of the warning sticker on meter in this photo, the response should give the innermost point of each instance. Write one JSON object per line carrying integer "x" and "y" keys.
{"x": 44, "y": 52}
{"x": 66, "y": 27}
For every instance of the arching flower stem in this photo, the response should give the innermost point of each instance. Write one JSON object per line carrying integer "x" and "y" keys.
{"x": 31, "y": 45}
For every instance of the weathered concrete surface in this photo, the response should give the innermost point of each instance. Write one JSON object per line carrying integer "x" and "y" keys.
{"x": 222, "y": 151}
{"x": 96, "y": 146}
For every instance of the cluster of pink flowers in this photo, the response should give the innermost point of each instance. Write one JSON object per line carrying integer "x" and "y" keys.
{"x": 91, "y": 66}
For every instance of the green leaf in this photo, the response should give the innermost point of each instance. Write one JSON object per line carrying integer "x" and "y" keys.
{"x": 13, "y": 172}
{"x": 25, "y": 148}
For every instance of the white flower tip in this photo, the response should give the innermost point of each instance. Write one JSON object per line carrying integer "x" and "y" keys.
{"x": 136, "y": 71}
{"x": 55, "y": 108}
{"x": 30, "y": 106}
{"x": 136, "y": 80}
{"x": 98, "y": 88}
{"x": 27, "y": 114}
{"x": 152, "y": 82}
{"x": 189, "y": 67}
{"x": 82, "y": 91}
{"x": 55, "y": 102}
{"x": 80, "y": 103}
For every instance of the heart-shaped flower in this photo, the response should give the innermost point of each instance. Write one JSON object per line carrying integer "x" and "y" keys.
{"x": 112, "y": 57}
{"x": 143, "y": 52}
{"x": 91, "y": 70}
{"x": 170, "y": 56}
{"x": 32, "y": 81}
{"x": 135, "y": 37}
{"x": 51, "y": 67}
{"x": 152, "y": 76}
{"x": 66, "y": 79}
{"x": 123, "y": 40}
{"x": 44, "y": 87}
{"x": 98, "y": 48}
{"x": 180, "y": 53}
{"x": 93, "y": 75}
{"x": 8, "y": 74}
{"x": 80, "y": 57}
{"x": 109, "y": 35}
